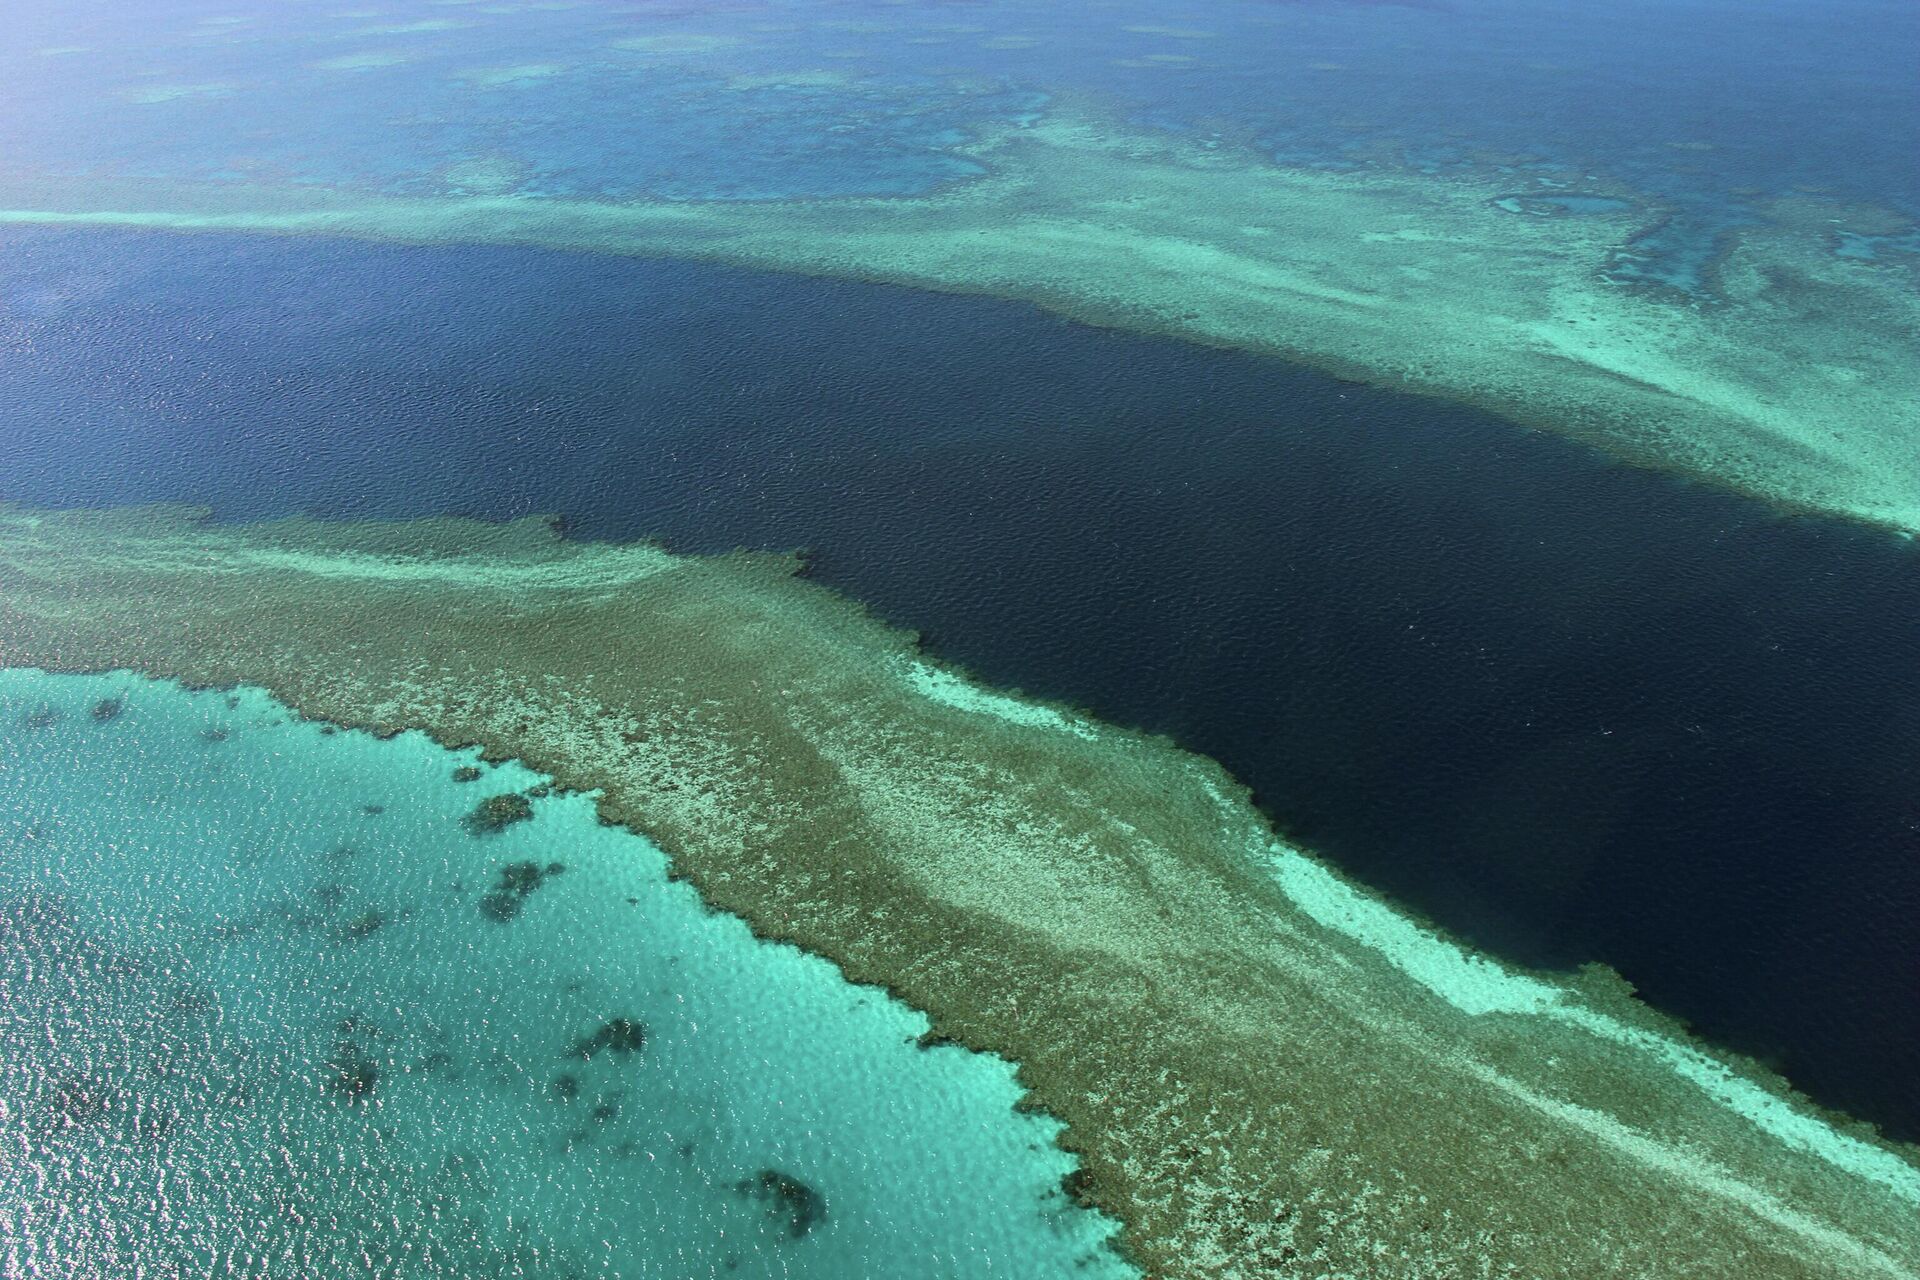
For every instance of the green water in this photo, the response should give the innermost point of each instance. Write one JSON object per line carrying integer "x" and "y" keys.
{"x": 280, "y": 1003}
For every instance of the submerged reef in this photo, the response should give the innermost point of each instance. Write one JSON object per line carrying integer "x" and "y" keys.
{"x": 1264, "y": 1068}
{"x": 623, "y": 1037}
{"x": 789, "y": 1201}
{"x": 497, "y": 813}
{"x": 518, "y": 881}
{"x": 1794, "y": 381}
{"x": 351, "y": 1074}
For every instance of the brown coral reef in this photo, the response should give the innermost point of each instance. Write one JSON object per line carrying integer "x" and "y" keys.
{"x": 1267, "y": 1071}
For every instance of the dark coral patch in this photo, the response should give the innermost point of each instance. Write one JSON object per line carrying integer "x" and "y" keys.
{"x": 364, "y": 925}
{"x": 42, "y": 718}
{"x": 107, "y": 709}
{"x": 351, "y": 1075}
{"x": 466, "y": 773}
{"x": 497, "y": 813}
{"x": 500, "y": 906}
{"x": 79, "y": 1102}
{"x": 788, "y": 1200}
{"x": 624, "y": 1036}
{"x": 518, "y": 880}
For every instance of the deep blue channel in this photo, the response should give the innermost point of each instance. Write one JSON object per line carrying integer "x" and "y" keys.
{"x": 1571, "y": 709}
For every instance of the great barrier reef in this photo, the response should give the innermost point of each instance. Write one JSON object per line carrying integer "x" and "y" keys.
{"x": 960, "y": 638}
{"x": 1259, "y": 1066}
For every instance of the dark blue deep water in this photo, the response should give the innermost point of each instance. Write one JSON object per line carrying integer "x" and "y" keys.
{"x": 1572, "y": 710}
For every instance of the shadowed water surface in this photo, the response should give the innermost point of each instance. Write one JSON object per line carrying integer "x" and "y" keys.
{"x": 1571, "y": 709}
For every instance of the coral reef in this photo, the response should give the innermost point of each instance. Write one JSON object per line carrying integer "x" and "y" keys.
{"x": 1258, "y": 1063}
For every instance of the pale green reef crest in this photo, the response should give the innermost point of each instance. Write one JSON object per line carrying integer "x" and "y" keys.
{"x": 1799, "y": 386}
{"x": 1265, "y": 1068}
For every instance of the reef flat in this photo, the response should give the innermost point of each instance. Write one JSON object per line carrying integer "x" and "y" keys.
{"x": 1265, "y": 1069}
{"x": 1795, "y": 383}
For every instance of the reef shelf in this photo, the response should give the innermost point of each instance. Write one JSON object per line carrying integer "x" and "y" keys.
{"x": 1266, "y": 1069}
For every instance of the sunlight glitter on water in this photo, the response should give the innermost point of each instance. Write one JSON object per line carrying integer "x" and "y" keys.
{"x": 281, "y": 996}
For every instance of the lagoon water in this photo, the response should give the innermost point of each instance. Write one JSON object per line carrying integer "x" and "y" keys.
{"x": 277, "y": 1005}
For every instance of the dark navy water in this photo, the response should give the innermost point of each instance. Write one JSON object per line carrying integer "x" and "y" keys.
{"x": 1572, "y": 710}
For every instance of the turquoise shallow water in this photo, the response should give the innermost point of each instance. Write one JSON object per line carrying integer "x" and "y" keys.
{"x": 276, "y": 1005}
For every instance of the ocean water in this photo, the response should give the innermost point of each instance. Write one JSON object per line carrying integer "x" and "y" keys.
{"x": 1574, "y": 710}
{"x": 1570, "y": 709}
{"x": 277, "y": 1003}
{"x": 1706, "y": 110}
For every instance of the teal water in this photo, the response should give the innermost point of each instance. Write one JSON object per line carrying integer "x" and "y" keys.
{"x": 278, "y": 1005}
